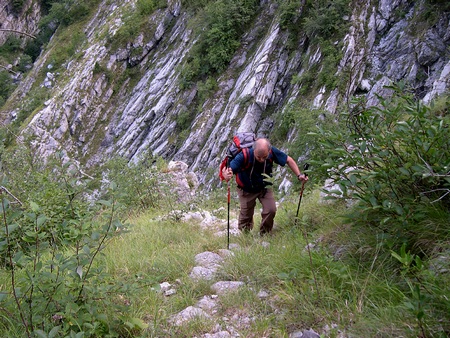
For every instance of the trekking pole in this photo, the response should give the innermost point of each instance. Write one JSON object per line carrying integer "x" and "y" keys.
{"x": 305, "y": 167}
{"x": 229, "y": 199}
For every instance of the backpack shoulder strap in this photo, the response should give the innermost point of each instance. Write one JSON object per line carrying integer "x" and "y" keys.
{"x": 270, "y": 158}
{"x": 247, "y": 155}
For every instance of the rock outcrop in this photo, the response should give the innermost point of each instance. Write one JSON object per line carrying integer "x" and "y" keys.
{"x": 128, "y": 100}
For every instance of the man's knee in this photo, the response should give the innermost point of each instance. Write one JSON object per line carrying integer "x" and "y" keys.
{"x": 269, "y": 209}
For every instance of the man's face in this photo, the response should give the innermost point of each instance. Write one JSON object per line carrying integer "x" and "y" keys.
{"x": 261, "y": 155}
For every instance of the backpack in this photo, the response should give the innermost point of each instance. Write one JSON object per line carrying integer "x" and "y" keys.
{"x": 241, "y": 141}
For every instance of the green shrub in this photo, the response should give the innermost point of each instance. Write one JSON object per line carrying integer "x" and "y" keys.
{"x": 303, "y": 121}
{"x": 135, "y": 22}
{"x": 140, "y": 181}
{"x": 62, "y": 12}
{"x": 11, "y": 46}
{"x": 184, "y": 120}
{"x": 35, "y": 99}
{"x": 54, "y": 231}
{"x": 219, "y": 29}
{"x": 206, "y": 89}
{"x": 146, "y": 7}
{"x": 128, "y": 31}
{"x": 325, "y": 19}
{"x": 289, "y": 14}
{"x": 394, "y": 159}
{"x": 17, "y": 5}
{"x": 47, "y": 26}
{"x": 67, "y": 12}
{"x": 6, "y": 85}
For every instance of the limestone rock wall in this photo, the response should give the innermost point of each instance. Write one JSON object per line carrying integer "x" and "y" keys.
{"x": 92, "y": 117}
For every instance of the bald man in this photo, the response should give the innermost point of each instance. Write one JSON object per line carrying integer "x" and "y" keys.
{"x": 250, "y": 165}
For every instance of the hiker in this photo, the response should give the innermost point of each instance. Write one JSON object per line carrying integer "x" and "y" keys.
{"x": 249, "y": 167}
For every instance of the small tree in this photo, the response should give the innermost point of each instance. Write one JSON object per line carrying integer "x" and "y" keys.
{"x": 395, "y": 160}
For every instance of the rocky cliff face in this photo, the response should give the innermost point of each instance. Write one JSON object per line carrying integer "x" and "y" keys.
{"x": 93, "y": 114}
{"x": 24, "y": 18}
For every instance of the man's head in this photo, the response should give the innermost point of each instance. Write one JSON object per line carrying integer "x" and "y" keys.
{"x": 261, "y": 149}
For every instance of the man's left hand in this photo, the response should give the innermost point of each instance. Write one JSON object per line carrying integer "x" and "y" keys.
{"x": 302, "y": 177}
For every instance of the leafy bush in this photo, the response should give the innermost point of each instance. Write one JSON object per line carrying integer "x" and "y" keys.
{"x": 289, "y": 14}
{"x": 325, "y": 19}
{"x": 220, "y": 27}
{"x": 302, "y": 121}
{"x": 321, "y": 22}
{"x": 135, "y": 21}
{"x": 6, "y": 86}
{"x": 11, "y": 46}
{"x": 62, "y": 12}
{"x": 206, "y": 89}
{"x": 67, "y": 12}
{"x": 35, "y": 99}
{"x": 17, "y": 5}
{"x": 50, "y": 243}
{"x": 141, "y": 182}
{"x": 395, "y": 160}
{"x": 146, "y": 7}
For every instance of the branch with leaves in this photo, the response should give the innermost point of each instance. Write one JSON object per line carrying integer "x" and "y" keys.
{"x": 17, "y": 32}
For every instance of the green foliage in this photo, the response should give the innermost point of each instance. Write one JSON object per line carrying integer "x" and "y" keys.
{"x": 50, "y": 243}
{"x": 6, "y": 86}
{"x": 128, "y": 31}
{"x": 184, "y": 120}
{"x": 317, "y": 19}
{"x": 67, "y": 46}
{"x": 395, "y": 160}
{"x": 46, "y": 5}
{"x": 425, "y": 295}
{"x": 135, "y": 21}
{"x": 61, "y": 12}
{"x": 67, "y": 12}
{"x": 332, "y": 55}
{"x": 10, "y": 47}
{"x": 17, "y": 5}
{"x": 33, "y": 47}
{"x": 325, "y": 19}
{"x": 322, "y": 73}
{"x": 322, "y": 22}
{"x": 146, "y": 7}
{"x": 206, "y": 88}
{"x": 141, "y": 182}
{"x": 301, "y": 121}
{"x": 25, "y": 63}
{"x": 34, "y": 100}
{"x": 47, "y": 26}
{"x": 195, "y": 4}
{"x": 427, "y": 15}
{"x": 289, "y": 14}
{"x": 219, "y": 28}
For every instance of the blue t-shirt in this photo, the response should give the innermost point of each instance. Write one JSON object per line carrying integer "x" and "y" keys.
{"x": 249, "y": 173}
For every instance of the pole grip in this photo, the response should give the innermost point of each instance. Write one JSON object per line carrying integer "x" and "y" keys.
{"x": 305, "y": 167}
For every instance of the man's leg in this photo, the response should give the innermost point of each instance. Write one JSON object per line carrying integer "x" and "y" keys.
{"x": 269, "y": 209}
{"x": 247, "y": 207}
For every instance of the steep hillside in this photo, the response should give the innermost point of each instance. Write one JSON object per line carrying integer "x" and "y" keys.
{"x": 177, "y": 79}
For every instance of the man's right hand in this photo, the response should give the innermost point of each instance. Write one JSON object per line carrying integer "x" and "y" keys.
{"x": 227, "y": 173}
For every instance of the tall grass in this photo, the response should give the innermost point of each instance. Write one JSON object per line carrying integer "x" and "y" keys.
{"x": 333, "y": 285}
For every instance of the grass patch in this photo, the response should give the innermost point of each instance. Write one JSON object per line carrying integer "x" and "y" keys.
{"x": 363, "y": 297}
